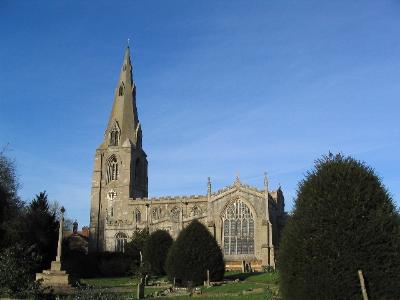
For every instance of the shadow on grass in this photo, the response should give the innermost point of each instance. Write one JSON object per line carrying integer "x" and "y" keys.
{"x": 241, "y": 276}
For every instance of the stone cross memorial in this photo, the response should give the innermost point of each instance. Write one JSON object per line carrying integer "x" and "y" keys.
{"x": 55, "y": 277}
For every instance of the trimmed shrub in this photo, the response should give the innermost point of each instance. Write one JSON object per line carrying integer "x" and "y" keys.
{"x": 17, "y": 272}
{"x": 193, "y": 253}
{"x": 114, "y": 265}
{"x": 344, "y": 220}
{"x": 156, "y": 249}
{"x": 101, "y": 264}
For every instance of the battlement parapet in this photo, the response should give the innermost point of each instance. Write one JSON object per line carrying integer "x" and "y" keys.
{"x": 168, "y": 198}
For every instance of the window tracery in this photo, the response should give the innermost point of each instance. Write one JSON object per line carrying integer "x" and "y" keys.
{"x": 195, "y": 211}
{"x": 238, "y": 229}
{"x": 175, "y": 212}
{"x": 137, "y": 216}
{"x": 156, "y": 213}
{"x": 112, "y": 169}
{"x": 120, "y": 242}
{"x": 114, "y": 135}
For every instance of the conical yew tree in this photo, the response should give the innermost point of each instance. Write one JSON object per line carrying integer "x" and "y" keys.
{"x": 156, "y": 249}
{"x": 193, "y": 253}
{"x": 344, "y": 220}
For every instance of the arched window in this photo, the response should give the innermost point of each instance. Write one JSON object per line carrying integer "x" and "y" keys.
{"x": 120, "y": 242}
{"x": 137, "y": 216}
{"x": 238, "y": 229}
{"x": 155, "y": 213}
{"x": 175, "y": 212}
{"x": 195, "y": 211}
{"x": 114, "y": 135}
{"x": 112, "y": 169}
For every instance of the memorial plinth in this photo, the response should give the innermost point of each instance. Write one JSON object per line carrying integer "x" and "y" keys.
{"x": 55, "y": 277}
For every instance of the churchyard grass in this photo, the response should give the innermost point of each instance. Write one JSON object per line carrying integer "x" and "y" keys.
{"x": 263, "y": 285}
{"x": 110, "y": 282}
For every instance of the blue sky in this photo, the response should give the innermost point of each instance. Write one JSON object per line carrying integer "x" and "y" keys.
{"x": 222, "y": 87}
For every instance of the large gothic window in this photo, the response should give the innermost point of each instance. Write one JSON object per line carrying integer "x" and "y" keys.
{"x": 238, "y": 229}
{"x": 112, "y": 169}
{"x": 120, "y": 242}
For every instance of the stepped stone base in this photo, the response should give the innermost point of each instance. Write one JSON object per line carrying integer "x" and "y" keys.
{"x": 54, "y": 277}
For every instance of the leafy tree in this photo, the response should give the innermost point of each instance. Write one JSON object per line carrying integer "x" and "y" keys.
{"x": 193, "y": 253}
{"x": 17, "y": 271}
{"x": 11, "y": 206}
{"x": 136, "y": 244}
{"x": 344, "y": 220}
{"x": 41, "y": 229}
{"x": 155, "y": 250}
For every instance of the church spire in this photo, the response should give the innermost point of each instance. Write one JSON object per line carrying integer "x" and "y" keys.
{"x": 124, "y": 128}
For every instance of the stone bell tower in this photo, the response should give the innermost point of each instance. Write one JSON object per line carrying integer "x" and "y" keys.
{"x": 120, "y": 165}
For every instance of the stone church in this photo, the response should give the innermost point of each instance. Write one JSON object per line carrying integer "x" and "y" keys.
{"x": 246, "y": 221}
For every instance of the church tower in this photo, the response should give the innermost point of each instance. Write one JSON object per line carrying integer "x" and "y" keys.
{"x": 120, "y": 165}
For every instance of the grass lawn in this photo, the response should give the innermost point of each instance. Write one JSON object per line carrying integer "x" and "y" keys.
{"x": 250, "y": 286}
{"x": 111, "y": 282}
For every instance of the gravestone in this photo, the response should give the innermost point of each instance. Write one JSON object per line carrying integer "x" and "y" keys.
{"x": 207, "y": 282}
{"x": 140, "y": 289}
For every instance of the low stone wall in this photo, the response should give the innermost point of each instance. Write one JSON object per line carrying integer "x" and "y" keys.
{"x": 256, "y": 265}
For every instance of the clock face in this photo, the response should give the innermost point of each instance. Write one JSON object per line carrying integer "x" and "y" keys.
{"x": 111, "y": 195}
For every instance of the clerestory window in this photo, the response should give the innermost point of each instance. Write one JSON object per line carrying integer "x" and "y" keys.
{"x": 238, "y": 229}
{"x": 137, "y": 216}
{"x": 175, "y": 214}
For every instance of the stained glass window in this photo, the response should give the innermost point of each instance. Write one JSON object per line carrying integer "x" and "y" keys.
{"x": 238, "y": 229}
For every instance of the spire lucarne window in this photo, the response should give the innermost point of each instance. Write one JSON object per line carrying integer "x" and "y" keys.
{"x": 114, "y": 135}
{"x": 121, "y": 89}
{"x": 112, "y": 169}
{"x": 238, "y": 229}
